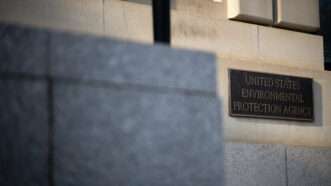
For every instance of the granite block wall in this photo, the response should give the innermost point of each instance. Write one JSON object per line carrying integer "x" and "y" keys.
{"x": 24, "y": 132}
{"x": 254, "y": 164}
{"x": 81, "y": 110}
{"x": 308, "y": 167}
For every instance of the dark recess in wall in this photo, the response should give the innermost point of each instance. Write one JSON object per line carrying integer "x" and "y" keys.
{"x": 325, "y": 17}
{"x": 161, "y": 21}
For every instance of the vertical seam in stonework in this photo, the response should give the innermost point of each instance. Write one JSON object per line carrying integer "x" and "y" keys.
{"x": 258, "y": 39}
{"x": 47, "y": 54}
{"x": 50, "y": 113}
{"x": 286, "y": 167}
{"x": 50, "y": 133}
{"x": 103, "y": 17}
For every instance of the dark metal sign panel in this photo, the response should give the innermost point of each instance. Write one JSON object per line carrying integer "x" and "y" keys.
{"x": 272, "y": 96}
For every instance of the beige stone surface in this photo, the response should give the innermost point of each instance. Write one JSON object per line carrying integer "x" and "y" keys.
{"x": 129, "y": 20}
{"x": 247, "y": 42}
{"x": 256, "y": 11}
{"x": 230, "y": 39}
{"x": 317, "y": 133}
{"x": 72, "y": 15}
{"x": 115, "y": 19}
{"x": 298, "y": 14}
{"x": 140, "y": 22}
{"x": 207, "y": 9}
{"x": 290, "y": 48}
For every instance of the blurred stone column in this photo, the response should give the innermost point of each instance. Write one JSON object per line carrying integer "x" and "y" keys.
{"x": 81, "y": 110}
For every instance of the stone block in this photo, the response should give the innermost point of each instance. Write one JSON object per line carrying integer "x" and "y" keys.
{"x": 256, "y": 11}
{"x": 203, "y": 9}
{"x": 115, "y": 19}
{"x": 229, "y": 39}
{"x": 310, "y": 136}
{"x": 128, "y": 20}
{"x": 100, "y": 59}
{"x": 24, "y": 133}
{"x": 72, "y": 15}
{"x": 294, "y": 49}
{"x": 254, "y": 164}
{"x": 251, "y": 130}
{"x": 140, "y": 22}
{"x": 107, "y": 136}
{"x": 298, "y": 14}
{"x": 308, "y": 166}
{"x": 22, "y": 50}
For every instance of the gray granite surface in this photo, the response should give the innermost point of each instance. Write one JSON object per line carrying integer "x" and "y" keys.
{"x": 109, "y": 136}
{"x": 254, "y": 165}
{"x": 23, "y": 50}
{"x": 309, "y": 166}
{"x": 101, "y": 59}
{"x": 123, "y": 113}
{"x": 24, "y": 133}
{"x": 126, "y": 114}
{"x": 65, "y": 55}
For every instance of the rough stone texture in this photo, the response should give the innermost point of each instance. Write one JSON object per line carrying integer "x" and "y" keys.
{"x": 128, "y": 20}
{"x": 254, "y": 165}
{"x": 229, "y": 39}
{"x": 115, "y": 19}
{"x": 289, "y": 48}
{"x": 124, "y": 113}
{"x": 73, "y": 15}
{"x": 101, "y": 59}
{"x": 24, "y": 133}
{"x": 107, "y": 136}
{"x": 256, "y": 11}
{"x": 22, "y": 50}
{"x": 203, "y": 9}
{"x": 307, "y": 166}
{"x": 298, "y": 14}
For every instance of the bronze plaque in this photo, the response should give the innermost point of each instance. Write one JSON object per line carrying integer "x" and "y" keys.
{"x": 272, "y": 96}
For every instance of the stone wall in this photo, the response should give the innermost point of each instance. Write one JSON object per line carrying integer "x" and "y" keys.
{"x": 81, "y": 110}
{"x": 196, "y": 24}
{"x": 114, "y": 18}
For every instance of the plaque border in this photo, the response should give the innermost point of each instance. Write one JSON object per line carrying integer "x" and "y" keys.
{"x": 268, "y": 117}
